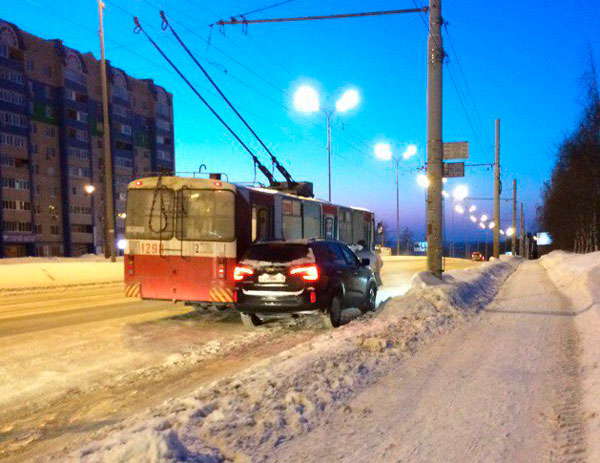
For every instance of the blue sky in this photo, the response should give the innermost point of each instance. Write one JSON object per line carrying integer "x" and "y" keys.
{"x": 522, "y": 62}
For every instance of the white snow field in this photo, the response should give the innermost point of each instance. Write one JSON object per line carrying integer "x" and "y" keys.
{"x": 35, "y": 273}
{"x": 578, "y": 278}
{"x": 362, "y": 392}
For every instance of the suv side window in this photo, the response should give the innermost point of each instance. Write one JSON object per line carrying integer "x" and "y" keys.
{"x": 336, "y": 255}
{"x": 321, "y": 252}
{"x": 351, "y": 259}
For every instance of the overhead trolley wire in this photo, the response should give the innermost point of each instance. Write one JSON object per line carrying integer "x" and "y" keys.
{"x": 262, "y": 168}
{"x": 166, "y": 25}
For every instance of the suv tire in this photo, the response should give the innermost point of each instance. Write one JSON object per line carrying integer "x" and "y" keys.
{"x": 333, "y": 317}
{"x": 370, "y": 303}
{"x": 250, "y": 320}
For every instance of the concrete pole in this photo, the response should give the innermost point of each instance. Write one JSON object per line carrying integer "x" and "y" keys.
{"x": 497, "y": 194}
{"x": 397, "y": 207}
{"x": 522, "y": 234}
{"x": 435, "y": 62}
{"x": 109, "y": 213}
{"x": 329, "y": 149}
{"x": 514, "y": 219}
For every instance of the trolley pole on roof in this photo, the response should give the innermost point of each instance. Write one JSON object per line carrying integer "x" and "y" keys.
{"x": 435, "y": 62}
{"x": 109, "y": 214}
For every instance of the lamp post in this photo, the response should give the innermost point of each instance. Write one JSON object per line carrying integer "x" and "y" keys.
{"x": 383, "y": 151}
{"x": 306, "y": 100}
{"x": 89, "y": 191}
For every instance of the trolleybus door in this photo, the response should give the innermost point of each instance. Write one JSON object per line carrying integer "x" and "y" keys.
{"x": 261, "y": 222}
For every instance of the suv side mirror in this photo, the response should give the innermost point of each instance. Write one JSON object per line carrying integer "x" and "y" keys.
{"x": 365, "y": 262}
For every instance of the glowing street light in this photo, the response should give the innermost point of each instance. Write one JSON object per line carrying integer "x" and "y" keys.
{"x": 445, "y": 194}
{"x": 492, "y": 224}
{"x": 306, "y": 100}
{"x": 89, "y": 189}
{"x": 501, "y": 232}
{"x": 459, "y": 208}
{"x": 473, "y": 208}
{"x": 383, "y": 151}
{"x": 510, "y": 231}
{"x": 481, "y": 225}
{"x": 473, "y": 219}
{"x": 410, "y": 151}
{"x": 422, "y": 180}
{"x": 460, "y": 192}
{"x": 484, "y": 218}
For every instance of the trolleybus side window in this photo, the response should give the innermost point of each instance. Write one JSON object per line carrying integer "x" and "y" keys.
{"x": 150, "y": 214}
{"x": 206, "y": 215}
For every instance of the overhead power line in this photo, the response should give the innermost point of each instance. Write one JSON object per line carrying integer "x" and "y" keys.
{"x": 262, "y": 168}
{"x": 280, "y": 168}
{"x": 234, "y": 21}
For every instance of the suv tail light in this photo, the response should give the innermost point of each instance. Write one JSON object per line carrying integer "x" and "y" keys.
{"x": 240, "y": 272}
{"x": 307, "y": 272}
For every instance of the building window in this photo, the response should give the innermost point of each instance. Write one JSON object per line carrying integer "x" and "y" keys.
{"x": 29, "y": 64}
{"x": 47, "y": 92}
{"x": 50, "y": 131}
{"x": 123, "y": 162}
{"x": 7, "y": 161}
{"x": 12, "y": 76}
{"x": 78, "y": 153}
{"x": 9, "y": 96}
{"x": 126, "y": 129}
{"x": 49, "y": 112}
{"x": 54, "y": 230}
{"x": 163, "y": 155}
{"x": 48, "y": 70}
{"x": 15, "y": 119}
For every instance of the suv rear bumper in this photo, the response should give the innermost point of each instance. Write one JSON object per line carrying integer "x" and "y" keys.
{"x": 279, "y": 304}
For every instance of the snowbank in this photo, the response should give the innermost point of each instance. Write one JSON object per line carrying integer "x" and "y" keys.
{"x": 243, "y": 417}
{"x": 578, "y": 278}
{"x": 34, "y": 273}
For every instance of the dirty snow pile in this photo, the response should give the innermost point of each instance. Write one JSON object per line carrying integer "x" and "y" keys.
{"x": 31, "y": 273}
{"x": 244, "y": 417}
{"x": 578, "y": 278}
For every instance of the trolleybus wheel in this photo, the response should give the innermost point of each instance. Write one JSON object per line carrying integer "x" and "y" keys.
{"x": 250, "y": 320}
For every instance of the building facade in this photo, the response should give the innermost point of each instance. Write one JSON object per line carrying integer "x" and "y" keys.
{"x": 51, "y": 136}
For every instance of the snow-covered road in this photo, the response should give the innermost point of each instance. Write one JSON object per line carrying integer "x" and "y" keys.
{"x": 502, "y": 389}
{"x": 75, "y": 359}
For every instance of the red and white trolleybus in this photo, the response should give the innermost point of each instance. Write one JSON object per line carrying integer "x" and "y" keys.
{"x": 184, "y": 235}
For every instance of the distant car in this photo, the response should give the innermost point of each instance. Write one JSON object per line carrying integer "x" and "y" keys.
{"x": 477, "y": 257}
{"x": 281, "y": 278}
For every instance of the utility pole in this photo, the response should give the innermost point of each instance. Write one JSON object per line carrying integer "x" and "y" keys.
{"x": 522, "y": 234}
{"x": 435, "y": 62}
{"x": 329, "y": 149}
{"x": 514, "y": 219}
{"x": 497, "y": 194}
{"x": 109, "y": 214}
{"x": 397, "y": 206}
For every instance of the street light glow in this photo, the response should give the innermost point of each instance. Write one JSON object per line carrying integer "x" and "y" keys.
{"x": 459, "y": 208}
{"x": 349, "y": 100}
{"x": 422, "y": 180}
{"x": 445, "y": 194}
{"x": 411, "y": 150}
{"x": 122, "y": 244}
{"x": 306, "y": 99}
{"x": 460, "y": 192}
{"x": 484, "y": 218}
{"x": 510, "y": 231}
{"x": 501, "y": 232}
{"x": 473, "y": 208}
{"x": 492, "y": 224}
{"x": 481, "y": 225}
{"x": 473, "y": 219}
{"x": 89, "y": 189}
{"x": 383, "y": 151}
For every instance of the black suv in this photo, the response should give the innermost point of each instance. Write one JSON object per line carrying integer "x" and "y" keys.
{"x": 293, "y": 277}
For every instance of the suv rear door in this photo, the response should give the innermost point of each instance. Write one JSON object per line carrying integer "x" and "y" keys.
{"x": 358, "y": 276}
{"x": 344, "y": 271}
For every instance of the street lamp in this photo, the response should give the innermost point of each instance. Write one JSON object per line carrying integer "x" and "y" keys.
{"x": 306, "y": 100}
{"x": 89, "y": 189}
{"x": 484, "y": 218}
{"x": 383, "y": 151}
{"x": 460, "y": 192}
{"x": 473, "y": 208}
{"x": 422, "y": 180}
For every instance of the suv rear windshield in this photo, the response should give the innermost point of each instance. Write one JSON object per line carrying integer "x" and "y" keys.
{"x": 278, "y": 253}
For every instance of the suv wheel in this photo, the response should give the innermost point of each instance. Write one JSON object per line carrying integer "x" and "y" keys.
{"x": 370, "y": 303}
{"x": 333, "y": 318}
{"x": 250, "y": 320}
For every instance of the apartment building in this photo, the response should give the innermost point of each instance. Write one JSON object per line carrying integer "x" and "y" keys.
{"x": 51, "y": 152}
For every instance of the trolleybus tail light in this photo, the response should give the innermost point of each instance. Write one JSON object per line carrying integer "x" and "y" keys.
{"x": 235, "y": 296}
{"x": 138, "y": 183}
{"x": 221, "y": 271}
{"x": 313, "y": 297}
{"x": 218, "y": 184}
{"x": 307, "y": 272}
{"x": 130, "y": 266}
{"x": 240, "y": 272}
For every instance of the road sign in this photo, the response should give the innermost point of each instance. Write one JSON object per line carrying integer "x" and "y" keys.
{"x": 420, "y": 246}
{"x": 456, "y": 150}
{"x": 454, "y": 169}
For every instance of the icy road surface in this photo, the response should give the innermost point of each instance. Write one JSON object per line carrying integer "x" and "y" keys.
{"x": 74, "y": 360}
{"x": 503, "y": 389}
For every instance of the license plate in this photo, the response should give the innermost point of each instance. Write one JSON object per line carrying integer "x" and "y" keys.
{"x": 271, "y": 278}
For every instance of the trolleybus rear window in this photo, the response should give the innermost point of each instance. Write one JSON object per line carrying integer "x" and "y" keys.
{"x": 206, "y": 215}
{"x": 150, "y": 214}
